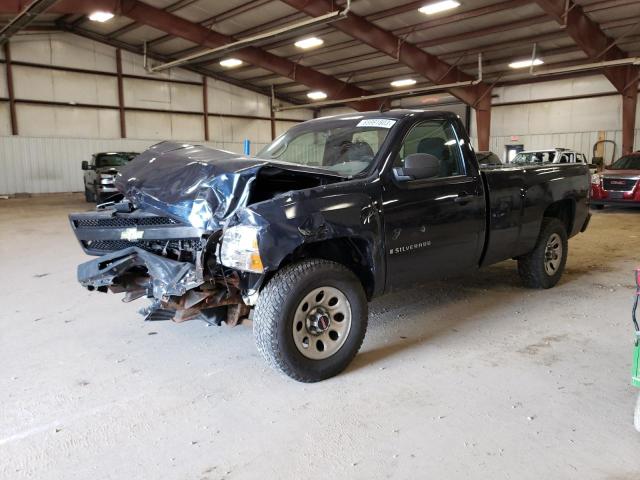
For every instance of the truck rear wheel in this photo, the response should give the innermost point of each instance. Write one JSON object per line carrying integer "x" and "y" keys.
{"x": 543, "y": 266}
{"x": 310, "y": 319}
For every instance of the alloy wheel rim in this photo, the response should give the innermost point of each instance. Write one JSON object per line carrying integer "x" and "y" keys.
{"x": 322, "y": 322}
{"x": 553, "y": 255}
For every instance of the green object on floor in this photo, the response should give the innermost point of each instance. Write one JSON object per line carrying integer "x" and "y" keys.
{"x": 635, "y": 373}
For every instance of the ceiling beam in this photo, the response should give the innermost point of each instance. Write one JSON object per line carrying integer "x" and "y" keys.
{"x": 134, "y": 25}
{"x": 221, "y": 17}
{"x": 588, "y": 36}
{"x": 26, "y": 16}
{"x": 421, "y": 62}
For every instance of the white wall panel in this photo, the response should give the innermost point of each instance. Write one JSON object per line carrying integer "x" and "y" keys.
{"x": 59, "y": 86}
{"x": 162, "y": 96}
{"x": 187, "y": 127}
{"x": 41, "y": 120}
{"x": 5, "y": 120}
{"x": 31, "y": 48}
{"x": 142, "y": 94}
{"x": 3, "y": 81}
{"x": 63, "y": 50}
{"x": 185, "y": 97}
{"x": 47, "y": 165}
{"x": 299, "y": 114}
{"x": 148, "y": 125}
{"x": 33, "y": 83}
{"x": 227, "y": 98}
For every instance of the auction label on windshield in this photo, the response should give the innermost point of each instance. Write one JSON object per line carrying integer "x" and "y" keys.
{"x": 376, "y": 122}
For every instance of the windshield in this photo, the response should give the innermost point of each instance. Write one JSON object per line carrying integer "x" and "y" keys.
{"x": 629, "y": 162}
{"x": 534, "y": 157}
{"x": 113, "y": 159}
{"x": 346, "y": 146}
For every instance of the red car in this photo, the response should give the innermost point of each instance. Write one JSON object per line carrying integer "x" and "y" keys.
{"x": 618, "y": 184}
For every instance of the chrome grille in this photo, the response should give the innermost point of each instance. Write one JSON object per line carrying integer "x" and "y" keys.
{"x": 618, "y": 184}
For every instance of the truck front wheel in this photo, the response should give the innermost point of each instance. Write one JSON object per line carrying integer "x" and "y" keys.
{"x": 310, "y": 319}
{"x": 543, "y": 266}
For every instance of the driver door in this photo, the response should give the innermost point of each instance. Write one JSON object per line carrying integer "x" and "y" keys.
{"x": 434, "y": 227}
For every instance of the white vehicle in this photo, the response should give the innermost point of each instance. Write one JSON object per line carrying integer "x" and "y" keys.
{"x": 550, "y": 155}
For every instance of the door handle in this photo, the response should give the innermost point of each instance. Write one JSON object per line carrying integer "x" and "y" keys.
{"x": 462, "y": 198}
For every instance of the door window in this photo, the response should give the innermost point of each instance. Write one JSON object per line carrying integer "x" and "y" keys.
{"x": 437, "y": 138}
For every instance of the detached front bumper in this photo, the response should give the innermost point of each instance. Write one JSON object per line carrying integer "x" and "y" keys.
{"x": 165, "y": 277}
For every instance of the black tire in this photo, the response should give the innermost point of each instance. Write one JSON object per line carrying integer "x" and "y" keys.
{"x": 598, "y": 207}
{"x": 531, "y": 266}
{"x": 273, "y": 320}
{"x": 89, "y": 195}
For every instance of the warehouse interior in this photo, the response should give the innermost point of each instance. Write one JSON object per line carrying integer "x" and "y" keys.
{"x": 472, "y": 376}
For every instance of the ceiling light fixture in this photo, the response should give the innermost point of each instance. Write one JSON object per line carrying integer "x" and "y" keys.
{"x": 525, "y": 63}
{"x": 100, "y": 16}
{"x": 438, "y": 7}
{"x": 317, "y": 95}
{"x": 404, "y": 82}
{"x": 310, "y": 42}
{"x": 230, "y": 62}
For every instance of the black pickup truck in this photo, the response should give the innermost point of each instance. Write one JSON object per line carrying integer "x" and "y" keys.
{"x": 336, "y": 211}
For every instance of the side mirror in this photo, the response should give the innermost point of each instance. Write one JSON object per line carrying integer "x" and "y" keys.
{"x": 421, "y": 165}
{"x": 85, "y": 165}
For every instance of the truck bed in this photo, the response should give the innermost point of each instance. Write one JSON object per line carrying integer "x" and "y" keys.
{"x": 517, "y": 197}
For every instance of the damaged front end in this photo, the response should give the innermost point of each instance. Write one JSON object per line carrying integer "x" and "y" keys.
{"x": 164, "y": 239}
{"x": 146, "y": 255}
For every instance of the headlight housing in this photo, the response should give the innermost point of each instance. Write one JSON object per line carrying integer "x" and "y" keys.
{"x": 239, "y": 249}
{"x": 595, "y": 179}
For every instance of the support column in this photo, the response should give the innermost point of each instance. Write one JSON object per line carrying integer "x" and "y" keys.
{"x": 483, "y": 121}
{"x": 629, "y": 105}
{"x": 123, "y": 122}
{"x": 10, "y": 91}
{"x": 272, "y": 115}
{"x": 205, "y": 108}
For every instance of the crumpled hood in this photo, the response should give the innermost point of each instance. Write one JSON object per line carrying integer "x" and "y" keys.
{"x": 194, "y": 184}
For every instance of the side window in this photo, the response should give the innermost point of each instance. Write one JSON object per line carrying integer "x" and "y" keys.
{"x": 437, "y": 138}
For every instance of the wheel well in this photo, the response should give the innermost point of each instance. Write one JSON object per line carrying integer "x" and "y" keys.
{"x": 563, "y": 210}
{"x": 350, "y": 252}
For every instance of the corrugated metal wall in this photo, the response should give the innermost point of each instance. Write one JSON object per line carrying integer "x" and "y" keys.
{"x": 49, "y": 165}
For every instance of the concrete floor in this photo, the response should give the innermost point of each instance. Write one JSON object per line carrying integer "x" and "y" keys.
{"x": 470, "y": 378}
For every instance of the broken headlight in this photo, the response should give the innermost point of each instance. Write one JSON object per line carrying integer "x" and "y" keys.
{"x": 239, "y": 249}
